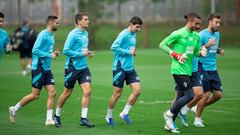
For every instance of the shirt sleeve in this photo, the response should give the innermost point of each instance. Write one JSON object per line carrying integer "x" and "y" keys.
{"x": 202, "y": 39}
{"x": 116, "y": 46}
{"x": 170, "y": 40}
{"x": 67, "y": 50}
{"x": 37, "y": 47}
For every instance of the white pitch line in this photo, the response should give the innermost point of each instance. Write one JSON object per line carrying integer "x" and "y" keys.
{"x": 230, "y": 99}
{"x": 219, "y": 111}
{"x": 157, "y": 101}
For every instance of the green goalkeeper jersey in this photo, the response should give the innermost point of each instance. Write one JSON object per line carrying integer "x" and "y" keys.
{"x": 182, "y": 41}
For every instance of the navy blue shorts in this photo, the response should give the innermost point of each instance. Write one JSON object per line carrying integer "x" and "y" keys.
{"x": 211, "y": 81}
{"x": 72, "y": 75}
{"x": 25, "y": 53}
{"x": 196, "y": 79}
{"x": 183, "y": 82}
{"x": 41, "y": 78}
{"x": 119, "y": 76}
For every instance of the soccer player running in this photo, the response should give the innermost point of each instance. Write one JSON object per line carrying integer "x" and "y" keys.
{"x": 185, "y": 44}
{"x": 4, "y": 40}
{"x": 25, "y": 38}
{"x": 76, "y": 50}
{"x": 211, "y": 81}
{"x": 41, "y": 73}
{"x": 197, "y": 87}
{"x": 124, "y": 48}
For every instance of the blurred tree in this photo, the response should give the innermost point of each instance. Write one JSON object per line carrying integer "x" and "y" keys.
{"x": 237, "y": 11}
{"x": 19, "y": 12}
{"x": 95, "y": 9}
{"x": 30, "y": 9}
{"x": 173, "y": 20}
{"x": 147, "y": 20}
{"x": 119, "y": 11}
{"x": 223, "y": 7}
{"x": 119, "y": 5}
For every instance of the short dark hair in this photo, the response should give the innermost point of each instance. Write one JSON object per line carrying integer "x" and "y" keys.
{"x": 191, "y": 16}
{"x": 213, "y": 15}
{"x": 79, "y": 16}
{"x": 1, "y": 15}
{"x": 51, "y": 18}
{"x": 25, "y": 22}
{"x": 136, "y": 20}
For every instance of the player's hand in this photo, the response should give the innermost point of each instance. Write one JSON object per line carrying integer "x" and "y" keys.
{"x": 220, "y": 51}
{"x": 57, "y": 52}
{"x": 203, "y": 51}
{"x": 180, "y": 57}
{"x": 53, "y": 55}
{"x": 133, "y": 51}
{"x": 211, "y": 42}
{"x": 88, "y": 53}
{"x": 9, "y": 48}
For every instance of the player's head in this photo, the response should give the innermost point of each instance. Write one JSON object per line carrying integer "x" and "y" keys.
{"x": 25, "y": 22}
{"x": 82, "y": 20}
{"x": 193, "y": 21}
{"x": 135, "y": 24}
{"x": 214, "y": 21}
{"x": 52, "y": 22}
{"x": 1, "y": 18}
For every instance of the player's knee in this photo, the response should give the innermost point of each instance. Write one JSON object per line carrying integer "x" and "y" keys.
{"x": 117, "y": 94}
{"x": 218, "y": 95}
{"x": 52, "y": 93}
{"x": 35, "y": 97}
{"x": 87, "y": 93}
{"x": 138, "y": 92}
{"x": 199, "y": 95}
{"x": 66, "y": 95}
{"x": 206, "y": 95}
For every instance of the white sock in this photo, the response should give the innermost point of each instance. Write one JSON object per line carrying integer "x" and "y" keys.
{"x": 198, "y": 119}
{"x": 169, "y": 113}
{"x": 29, "y": 66}
{"x": 84, "y": 112}
{"x": 49, "y": 114}
{"x": 109, "y": 113}
{"x": 194, "y": 108}
{"x": 58, "y": 112}
{"x": 185, "y": 109}
{"x": 126, "y": 109}
{"x": 17, "y": 106}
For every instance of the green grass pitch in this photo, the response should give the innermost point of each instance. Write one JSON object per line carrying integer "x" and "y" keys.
{"x": 153, "y": 67}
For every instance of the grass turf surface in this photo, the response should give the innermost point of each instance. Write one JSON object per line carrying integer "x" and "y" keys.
{"x": 153, "y": 67}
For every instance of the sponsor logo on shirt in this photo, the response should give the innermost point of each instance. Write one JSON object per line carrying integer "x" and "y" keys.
{"x": 189, "y": 49}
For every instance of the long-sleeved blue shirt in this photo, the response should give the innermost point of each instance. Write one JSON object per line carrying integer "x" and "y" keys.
{"x": 42, "y": 50}
{"x": 4, "y": 40}
{"x": 121, "y": 48}
{"x": 209, "y": 62}
{"x": 76, "y": 43}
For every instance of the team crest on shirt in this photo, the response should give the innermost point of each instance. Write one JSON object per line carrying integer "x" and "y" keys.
{"x": 133, "y": 39}
{"x": 191, "y": 38}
